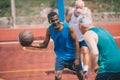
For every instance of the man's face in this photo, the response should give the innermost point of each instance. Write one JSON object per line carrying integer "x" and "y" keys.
{"x": 83, "y": 29}
{"x": 79, "y": 8}
{"x": 55, "y": 21}
{"x": 78, "y": 12}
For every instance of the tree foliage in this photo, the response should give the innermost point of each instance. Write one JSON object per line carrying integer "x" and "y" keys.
{"x": 4, "y": 7}
{"x": 29, "y": 5}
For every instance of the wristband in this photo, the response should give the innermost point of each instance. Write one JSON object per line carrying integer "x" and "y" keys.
{"x": 85, "y": 68}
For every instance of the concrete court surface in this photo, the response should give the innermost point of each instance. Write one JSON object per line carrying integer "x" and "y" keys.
{"x": 21, "y": 63}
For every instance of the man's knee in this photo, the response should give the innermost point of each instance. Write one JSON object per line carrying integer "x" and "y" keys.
{"x": 84, "y": 50}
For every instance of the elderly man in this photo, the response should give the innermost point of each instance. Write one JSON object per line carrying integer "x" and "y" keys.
{"x": 103, "y": 48}
{"x": 72, "y": 18}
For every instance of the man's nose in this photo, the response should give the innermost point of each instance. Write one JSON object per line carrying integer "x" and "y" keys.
{"x": 56, "y": 21}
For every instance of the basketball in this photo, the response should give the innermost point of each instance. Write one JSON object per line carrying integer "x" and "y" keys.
{"x": 26, "y": 38}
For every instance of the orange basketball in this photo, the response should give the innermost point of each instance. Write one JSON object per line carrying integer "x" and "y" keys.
{"x": 26, "y": 37}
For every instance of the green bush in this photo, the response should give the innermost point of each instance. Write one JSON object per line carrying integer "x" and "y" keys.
{"x": 33, "y": 7}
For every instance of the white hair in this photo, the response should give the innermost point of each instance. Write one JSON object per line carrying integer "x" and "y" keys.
{"x": 84, "y": 20}
{"x": 79, "y": 2}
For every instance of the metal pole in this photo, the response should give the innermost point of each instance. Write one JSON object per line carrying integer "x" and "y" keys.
{"x": 13, "y": 12}
{"x": 60, "y": 4}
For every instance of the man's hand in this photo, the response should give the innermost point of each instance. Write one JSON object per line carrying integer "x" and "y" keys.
{"x": 76, "y": 63}
{"x": 96, "y": 69}
{"x": 86, "y": 75}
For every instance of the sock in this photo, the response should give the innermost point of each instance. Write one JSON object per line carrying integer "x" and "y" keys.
{"x": 85, "y": 68}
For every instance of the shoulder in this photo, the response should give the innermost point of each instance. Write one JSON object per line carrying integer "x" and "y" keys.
{"x": 66, "y": 24}
{"x": 70, "y": 12}
{"x": 89, "y": 11}
{"x": 50, "y": 26}
{"x": 69, "y": 15}
{"x": 90, "y": 35}
{"x": 86, "y": 8}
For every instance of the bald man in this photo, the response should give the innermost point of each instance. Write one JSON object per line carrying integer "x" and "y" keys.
{"x": 72, "y": 18}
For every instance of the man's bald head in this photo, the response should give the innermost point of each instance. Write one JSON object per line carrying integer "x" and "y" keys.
{"x": 79, "y": 4}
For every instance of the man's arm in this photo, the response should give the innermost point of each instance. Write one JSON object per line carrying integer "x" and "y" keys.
{"x": 44, "y": 44}
{"x": 68, "y": 17}
{"x": 91, "y": 39}
{"x": 72, "y": 33}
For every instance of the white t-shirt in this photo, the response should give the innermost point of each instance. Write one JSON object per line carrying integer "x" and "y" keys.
{"x": 75, "y": 24}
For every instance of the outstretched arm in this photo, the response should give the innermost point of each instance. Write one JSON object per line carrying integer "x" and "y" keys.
{"x": 92, "y": 39}
{"x": 44, "y": 44}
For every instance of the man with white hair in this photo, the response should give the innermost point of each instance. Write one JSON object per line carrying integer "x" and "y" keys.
{"x": 72, "y": 18}
{"x": 103, "y": 48}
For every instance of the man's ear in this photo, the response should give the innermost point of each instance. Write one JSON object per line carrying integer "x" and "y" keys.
{"x": 49, "y": 20}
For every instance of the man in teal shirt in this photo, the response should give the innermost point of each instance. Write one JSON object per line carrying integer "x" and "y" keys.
{"x": 103, "y": 48}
